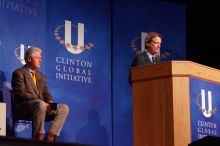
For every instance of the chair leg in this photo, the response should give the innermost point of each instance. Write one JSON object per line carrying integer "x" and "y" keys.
{"x": 13, "y": 128}
{"x": 32, "y": 129}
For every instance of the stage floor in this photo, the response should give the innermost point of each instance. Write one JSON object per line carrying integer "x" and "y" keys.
{"x": 11, "y": 141}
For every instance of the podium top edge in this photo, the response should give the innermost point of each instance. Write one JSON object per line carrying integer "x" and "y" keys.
{"x": 175, "y": 69}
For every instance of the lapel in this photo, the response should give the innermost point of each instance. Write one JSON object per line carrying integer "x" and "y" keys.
{"x": 157, "y": 59}
{"x": 37, "y": 78}
{"x": 146, "y": 58}
{"x": 27, "y": 74}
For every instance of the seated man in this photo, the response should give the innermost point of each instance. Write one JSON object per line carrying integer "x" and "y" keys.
{"x": 33, "y": 97}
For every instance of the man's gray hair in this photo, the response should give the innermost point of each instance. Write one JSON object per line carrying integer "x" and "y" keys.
{"x": 30, "y": 51}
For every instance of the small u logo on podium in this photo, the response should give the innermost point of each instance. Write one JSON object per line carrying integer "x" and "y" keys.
{"x": 207, "y": 110}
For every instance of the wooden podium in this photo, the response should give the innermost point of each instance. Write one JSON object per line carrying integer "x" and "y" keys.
{"x": 161, "y": 102}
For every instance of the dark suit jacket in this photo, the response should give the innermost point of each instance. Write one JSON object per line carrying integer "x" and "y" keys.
{"x": 24, "y": 88}
{"x": 139, "y": 60}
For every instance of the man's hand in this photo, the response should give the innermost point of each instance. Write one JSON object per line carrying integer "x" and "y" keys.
{"x": 49, "y": 110}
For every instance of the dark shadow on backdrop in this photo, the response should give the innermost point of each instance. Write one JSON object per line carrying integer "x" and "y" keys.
{"x": 93, "y": 132}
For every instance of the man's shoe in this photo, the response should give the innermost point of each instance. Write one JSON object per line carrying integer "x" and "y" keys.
{"x": 50, "y": 137}
{"x": 39, "y": 137}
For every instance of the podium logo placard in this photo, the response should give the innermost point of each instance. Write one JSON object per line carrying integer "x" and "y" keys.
{"x": 206, "y": 109}
{"x": 204, "y": 103}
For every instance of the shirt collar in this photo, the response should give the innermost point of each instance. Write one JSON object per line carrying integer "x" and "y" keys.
{"x": 30, "y": 70}
{"x": 149, "y": 54}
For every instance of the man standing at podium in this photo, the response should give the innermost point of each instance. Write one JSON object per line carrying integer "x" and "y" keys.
{"x": 150, "y": 55}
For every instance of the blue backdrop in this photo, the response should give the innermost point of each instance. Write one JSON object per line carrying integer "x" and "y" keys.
{"x": 87, "y": 91}
{"x": 93, "y": 79}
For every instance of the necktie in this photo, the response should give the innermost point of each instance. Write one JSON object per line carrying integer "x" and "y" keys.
{"x": 33, "y": 77}
{"x": 153, "y": 60}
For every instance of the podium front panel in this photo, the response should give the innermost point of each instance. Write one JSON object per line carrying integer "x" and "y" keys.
{"x": 205, "y": 108}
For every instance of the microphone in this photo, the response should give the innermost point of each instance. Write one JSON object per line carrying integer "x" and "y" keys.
{"x": 167, "y": 52}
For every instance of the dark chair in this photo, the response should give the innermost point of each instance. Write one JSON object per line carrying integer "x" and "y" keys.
{"x": 27, "y": 120}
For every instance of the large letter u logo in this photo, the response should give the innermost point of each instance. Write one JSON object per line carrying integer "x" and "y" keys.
{"x": 68, "y": 28}
{"x": 206, "y": 113}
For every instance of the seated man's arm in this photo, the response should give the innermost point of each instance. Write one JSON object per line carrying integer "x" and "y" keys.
{"x": 46, "y": 93}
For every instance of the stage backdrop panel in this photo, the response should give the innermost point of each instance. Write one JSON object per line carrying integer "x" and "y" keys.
{"x": 78, "y": 67}
{"x": 78, "y": 52}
